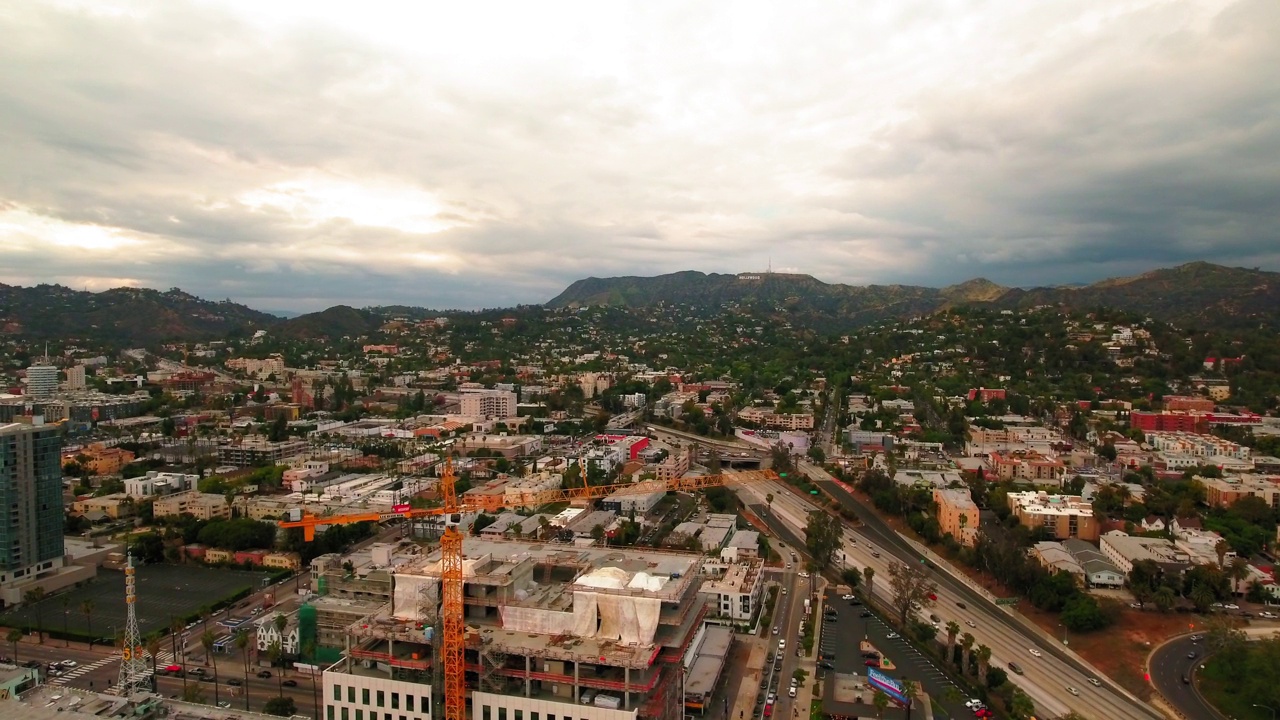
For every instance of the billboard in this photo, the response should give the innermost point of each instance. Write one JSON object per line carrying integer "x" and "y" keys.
{"x": 886, "y": 684}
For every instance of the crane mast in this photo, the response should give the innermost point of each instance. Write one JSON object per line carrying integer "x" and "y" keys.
{"x": 455, "y": 686}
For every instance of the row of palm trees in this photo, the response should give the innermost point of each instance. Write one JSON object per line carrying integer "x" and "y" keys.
{"x": 982, "y": 656}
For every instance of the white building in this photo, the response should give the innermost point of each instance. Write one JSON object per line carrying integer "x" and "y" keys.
{"x": 744, "y": 545}
{"x": 488, "y": 404}
{"x": 42, "y": 380}
{"x": 159, "y": 483}
{"x": 75, "y": 377}
{"x": 268, "y": 634}
{"x": 737, "y": 590}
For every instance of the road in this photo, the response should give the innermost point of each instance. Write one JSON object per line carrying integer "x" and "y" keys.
{"x": 1169, "y": 665}
{"x": 1046, "y": 678}
{"x": 786, "y": 617}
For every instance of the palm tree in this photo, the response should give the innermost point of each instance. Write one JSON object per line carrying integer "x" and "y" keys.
{"x": 281, "y": 622}
{"x": 1239, "y": 570}
{"x": 176, "y": 627}
{"x": 86, "y": 607}
{"x": 206, "y": 612}
{"x": 1201, "y": 596}
{"x": 242, "y": 644}
{"x": 153, "y": 649}
{"x": 881, "y": 701}
{"x": 1221, "y": 547}
{"x": 14, "y": 637}
{"x": 207, "y": 641}
{"x": 953, "y": 629}
{"x": 66, "y": 620}
{"x": 984, "y": 664}
{"x": 274, "y": 654}
{"x": 768, "y": 498}
{"x": 869, "y": 574}
{"x": 1165, "y": 598}
{"x": 33, "y": 597}
{"x": 966, "y": 642}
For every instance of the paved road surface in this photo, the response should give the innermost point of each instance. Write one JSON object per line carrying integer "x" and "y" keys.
{"x": 1046, "y": 678}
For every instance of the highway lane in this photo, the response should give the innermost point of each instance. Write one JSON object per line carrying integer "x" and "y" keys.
{"x": 1045, "y": 678}
{"x": 1170, "y": 666}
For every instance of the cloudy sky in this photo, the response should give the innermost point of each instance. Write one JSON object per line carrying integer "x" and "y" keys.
{"x": 297, "y": 155}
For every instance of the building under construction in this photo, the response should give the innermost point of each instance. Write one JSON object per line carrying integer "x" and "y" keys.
{"x": 553, "y": 632}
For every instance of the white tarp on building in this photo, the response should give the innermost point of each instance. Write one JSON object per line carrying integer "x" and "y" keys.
{"x": 413, "y": 594}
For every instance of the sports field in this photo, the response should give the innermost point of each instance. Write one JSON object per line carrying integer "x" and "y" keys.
{"x": 164, "y": 592}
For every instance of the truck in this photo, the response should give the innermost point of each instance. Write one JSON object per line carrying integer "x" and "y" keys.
{"x": 806, "y": 606}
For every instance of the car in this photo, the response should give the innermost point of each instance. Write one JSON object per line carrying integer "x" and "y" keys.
{"x": 871, "y": 663}
{"x": 892, "y": 636}
{"x": 1035, "y": 652}
{"x": 775, "y": 629}
{"x": 1268, "y": 615}
{"x": 855, "y": 602}
{"x": 962, "y": 606}
{"x": 782, "y": 644}
{"x": 933, "y": 596}
{"x": 264, "y": 673}
{"x": 1191, "y": 655}
{"x": 983, "y": 713}
{"x": 826, "y": 665}
{"x": 791, "y": 691}
{"x": 68, "y": 663}
{"x": 1095, "y": 682}
{"x": 830, "y": 618}
{"x": 235, "y": 682}
{"x": 768, "y": 711}
{"x": 821, "y": 656}
{"x": 290, "y": 683}
{"x": 788, "y": 566}
{"x": 799, "y": 652}
{"x": 772, "y": 697}
{"x": 846, "y": 597}
{"x": 1186, "y": 680}
{"x": 224, "y": 704}
{"x": 803, "y": 574}
{"x": 1231, "y": 606}
{"x": 875, "y": 553}
{"x": 1136, "y": 606}
{"x": 784, "y": 591}
{"x": 972, "y": 703}
{"x": 971, "y": 623}
{"x": 865, "y": 614}
{"x": 197, "y": 671}
{"x": 871, "y": 654}
{"x": 1073, "y": 691}
{"x": 1196, "y": 638}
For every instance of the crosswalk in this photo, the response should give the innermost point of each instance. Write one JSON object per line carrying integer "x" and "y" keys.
{"x": 83, "y": 670}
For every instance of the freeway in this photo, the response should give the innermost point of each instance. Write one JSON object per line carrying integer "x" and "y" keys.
{"x": 1046, "y": 679}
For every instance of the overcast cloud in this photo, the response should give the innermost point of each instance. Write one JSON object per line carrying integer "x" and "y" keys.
{"x": 299, "y": 155}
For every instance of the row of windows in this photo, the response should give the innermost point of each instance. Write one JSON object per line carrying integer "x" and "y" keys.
{"x": 345, "y": 714}
{"x": 380, "y": 698}
{"x": 486, "y": 714}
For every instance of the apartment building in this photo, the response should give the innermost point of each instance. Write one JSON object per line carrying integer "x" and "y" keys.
{"x": 254, "y": 451}
{"x": 957, "y": 514}
{"x": 268, "y": 634}
{"x": 1124, "y": 550}
{"x": 767, "y": 418}
{"x": 488, "y": 404}
{"x": 1029, "y": 466}
{"x": 1188, "y": 403}
{"x": 97, "y": 459}
{"x": 201, "y": 506}
{"x": 1065, "y": 516}
{"x": 735, "y": 589}
{"x": 1202, "y": 446}
{"x": 1225, "y": 492}
{"x": 273, "y": 365}
{"x": 159, "y": 483}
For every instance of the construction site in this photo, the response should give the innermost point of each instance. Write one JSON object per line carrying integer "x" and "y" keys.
{"x": 552, "y": 631}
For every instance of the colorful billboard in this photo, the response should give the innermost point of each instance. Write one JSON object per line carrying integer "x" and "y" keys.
{"x": 886, "y": 684}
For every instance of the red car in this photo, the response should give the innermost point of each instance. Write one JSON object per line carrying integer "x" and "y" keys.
{"x": 872, "y": 663}
{"x": 982, "y": 713}
{"x": 933, "y": 596}
{"x": 768, "y": 710}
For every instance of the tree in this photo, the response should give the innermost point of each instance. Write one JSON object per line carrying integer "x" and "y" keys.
{"x": 851, "y": 576}
{"x": 823, "y": 536}
{"x": 193, "y": 693}
{"x": 86, "y": 607}
{"x": 274, "y": 653}
{"x": 966, "y": 644}
{"x": 869, "y": 574}
{"x": 1221, "y": 547}
{"x": 909, "y": 584}
{"x": 33, "y": 597}
{"x": 1201, "y": 596}
{"x": 1107, "y": 452}
{"x": 1082, "y": 614}
{"x": 206, "y": 612}
{"x": 66, "y": 619}
{"x": 242, "y": 644}
{"x": 175, "y": 628}
{"x": 281, "y": 706}
{"x": 14, "y": 637}
{"x": 953, "y": 630}
{"x": 153, "y": 649}
{"x": 281, "y": 622}
{"x": 206, "y": 640}
{"x": 984, "y": 663}
{"x": 768, "y": 500}
{"x": 279, "y": 429}
{"x": 1020, "y": 705}
{"x": 1164, "y": 598}
{"x": 597, "y": 532}
{"x": 880, "y": 701}
{"x": 1237, "y": 571}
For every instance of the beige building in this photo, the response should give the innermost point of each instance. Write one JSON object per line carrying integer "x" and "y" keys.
{"x": 213, "y": 556}
{"x": 282, "y": 560}
{"x": 488, "y": 403}
{"x": 957, "y": 514}
{"x": 202, "y": 506}
{"x": 114, "y": 506}
{"x": 1066, "y": 516}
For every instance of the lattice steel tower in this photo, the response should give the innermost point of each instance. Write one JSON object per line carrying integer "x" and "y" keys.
{"x": 134, "y": 676}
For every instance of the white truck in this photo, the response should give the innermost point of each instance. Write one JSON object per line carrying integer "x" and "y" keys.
{"x": 613, "y": 702}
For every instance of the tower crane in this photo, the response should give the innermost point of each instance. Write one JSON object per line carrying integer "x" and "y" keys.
{"x": 452, "y": 631}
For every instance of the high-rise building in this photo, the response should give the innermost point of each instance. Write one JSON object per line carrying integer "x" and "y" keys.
{"x": 488, "y": 403}
{"x": 31, "y": 496}
{"x": 42, "y": 380}
{"x": 75, "y": 377}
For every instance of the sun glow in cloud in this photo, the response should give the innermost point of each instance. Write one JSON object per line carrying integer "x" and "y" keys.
{"x": 318, "y": 199}
{"x": 22, "y": 229}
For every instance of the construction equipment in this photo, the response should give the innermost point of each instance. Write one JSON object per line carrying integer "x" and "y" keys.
{"x": 452, "y": 635}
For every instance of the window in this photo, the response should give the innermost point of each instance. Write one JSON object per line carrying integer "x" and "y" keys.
{"x": 382, "y": 699}
{"x": 395, "y": 701}
{"x": 328, "y": 713}
{"x": 408, "y": 702}
{"x": 502, "y": 713}
{"x": 359, "y": 714}
{"x": 337, "y": 693}
{"x": 533, "y": 715}
{"x": 345, "y": 714}
{"x": 519, "y": 714}
{"x": 426, "y": 706}
{"x": 484, "y": 715}
{"x": 364, "y": 697}
{"x": 351, "y": 694}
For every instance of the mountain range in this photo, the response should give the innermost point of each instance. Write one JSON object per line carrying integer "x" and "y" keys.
{"x": 1197, "y": 294}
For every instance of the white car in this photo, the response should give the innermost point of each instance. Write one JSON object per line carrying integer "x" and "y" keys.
{"x": 784, "y": 591}
{"x": 892, "y": 636}
{"x": 971, "y": 623}
{"x": 68, "y": 663}
{"x": 782, "y": 644}
{"x": 1095, "y": 682}
{"x": 851, "y": 597}
{"x": 775, "y": 629}
{"x": 1231, "y": 606}
{"x": 1268, "y": 615}
{"x": 791, "y": 691}
{"x": 1073, "y": 691}
{"x": 804, "y": 574}
{"x": 972, "y": 703}
{"x": 1035, "y": 652}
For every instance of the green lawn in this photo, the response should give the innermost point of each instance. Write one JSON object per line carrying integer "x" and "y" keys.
{"x": 1220, "y": 690}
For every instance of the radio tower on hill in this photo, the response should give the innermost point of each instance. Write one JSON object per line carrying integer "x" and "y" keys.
{"x": 133, "y": 663}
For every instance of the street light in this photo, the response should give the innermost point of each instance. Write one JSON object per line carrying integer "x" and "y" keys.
{"x": 1267, "y": 707}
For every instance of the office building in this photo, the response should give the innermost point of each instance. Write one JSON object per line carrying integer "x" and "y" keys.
{"x": 31, "y": 495}
{"x": 488, "y": 403}
{"x": 42, "y": 381}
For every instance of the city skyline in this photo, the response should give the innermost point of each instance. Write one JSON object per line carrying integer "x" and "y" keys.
{"x": 295, "y": 157}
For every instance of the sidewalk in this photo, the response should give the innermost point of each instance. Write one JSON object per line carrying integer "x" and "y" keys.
{"x": 811, "y": 689}
{"x": 744, "y": 697}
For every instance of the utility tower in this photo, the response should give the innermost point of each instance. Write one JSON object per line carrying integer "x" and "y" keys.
{"x": 134, "y": 676}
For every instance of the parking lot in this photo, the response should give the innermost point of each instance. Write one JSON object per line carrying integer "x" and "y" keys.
{"x": 844, "y": 635}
